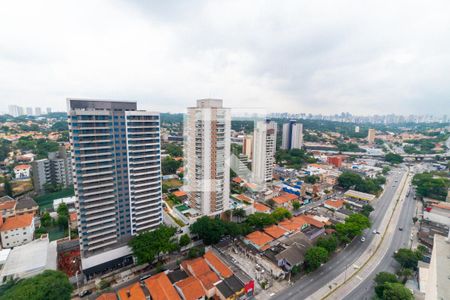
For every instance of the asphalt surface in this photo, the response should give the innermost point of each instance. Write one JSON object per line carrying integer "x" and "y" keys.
{"x": 338, "y": 264}
{"x": 401, "y": 240}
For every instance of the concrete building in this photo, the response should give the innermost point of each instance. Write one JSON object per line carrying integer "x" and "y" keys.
{"x": 22, "y": 171}
{"x": 264, "y": 147}
{"x": 29, "y": 111}
{"x": 371, "y": 136}
{"x": 356, "y": 129}
{"x": 15, "y": 110}
{"x": 292, "y": 137}
{"x": 56, "y": 169}
{"x": 116, "y": 158}
{"x": 17, "y": 230}
{"x": 247, "y": 146}
{"x": 37, "y": 111}
{"x": 49, "y": 110}
{"x": 207, "y": 150}
{"x": 437, "y": 285}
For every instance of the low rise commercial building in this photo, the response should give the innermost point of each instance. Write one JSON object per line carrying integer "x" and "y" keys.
{"x": 22, "y": 171}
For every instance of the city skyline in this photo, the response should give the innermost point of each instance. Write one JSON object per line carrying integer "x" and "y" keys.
{"x": 379, "y": 59}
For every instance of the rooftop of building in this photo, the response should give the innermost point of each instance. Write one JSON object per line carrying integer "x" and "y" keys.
{"x": 131, "y": 292}
{"x": 259, "y": 207}
{"x": 259, "y": 238}
{"x": 244, "y": 198}
{"x": 26, "y": 203}
{"x": 275, "y": 231}
{"x": 359, "y": 195}
{"x": 191, "y": 288}
{"x": 161, "y": 288}
{"x": 217, "y": 265}
{"x": 15, "y": 222}
{"x": 8, "y": 203}
{"x": 284, "y": 198}
{"x": 177, "y": 275}
{"x": 336, "y": 203}
{"x": 179, "y": 193}
{"x": 22, "y": 167}
{"x": 107, "y": 296}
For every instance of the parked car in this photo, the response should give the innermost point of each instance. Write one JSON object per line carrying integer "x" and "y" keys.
{"x": 84, "y": 293}
{"x": 363, "y": 239}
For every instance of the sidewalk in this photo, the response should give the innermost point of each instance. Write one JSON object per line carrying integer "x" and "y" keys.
{"x": 343, "y": 284}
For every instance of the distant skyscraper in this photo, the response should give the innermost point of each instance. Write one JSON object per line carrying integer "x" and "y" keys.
{"x": 49, "y": 110}
{"x": 37, "y": 111}
{"x": 29, "y": 111}
{"x": 247, "y": 146}
{"x": 292, "y": 135}
{"x": 207, "y": 149}
{"x": 356, "y": 129}
{"x": 15, "y": 110}
{"x": 264, "y": 146}
{"x": 117, "y": 176}
{"x": 371, "y": 136}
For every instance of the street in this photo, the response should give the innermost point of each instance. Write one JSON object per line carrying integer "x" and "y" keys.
{"x": 310, "y": 283}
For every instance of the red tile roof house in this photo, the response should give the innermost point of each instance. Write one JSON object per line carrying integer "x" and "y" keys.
{"x": 22, "y": 171}
{"x": 17, "y": 230}
{"x": 217, "y": 265}
{"x": 259, "y": 240}
{"x": 190, "y": 288}
{"x": 334, "y": 204}
{"x": 200, "y": 269}
{"x": 285, "y": 200}
{"x": 161, "y": 288}
{"x": 261, "y": 207}
{"x": 276, "y": 231}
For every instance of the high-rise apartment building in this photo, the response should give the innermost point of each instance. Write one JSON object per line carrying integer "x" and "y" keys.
{"x": 117, "y": 177}
{"x": 247, "y": 146}
{"x": 207, "y": 150}
{"x": 49, "y": 110}
{"x": 371, "y": 136}
{"x": 292, "y": 137}
{"x": 356, "y": 129}
{"x": 29, "y": 111}
{"x": 37, "y": 111}
{"x": 15, "y": 110}
{"x": 264, "y": 147}
{"x": 56, "y": 170}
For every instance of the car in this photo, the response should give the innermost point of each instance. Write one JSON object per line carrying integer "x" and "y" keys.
{"x": 84, "y": 293}
{"x": 374, "y": 231}
{"x": 400, "y": 228}
{"x": 363, "y": 239}
{"x": 143, "y": 277}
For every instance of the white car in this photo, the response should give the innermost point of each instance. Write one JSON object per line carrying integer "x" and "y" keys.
{"x": 363, "y": 239}
{"x": 374, "y": 231}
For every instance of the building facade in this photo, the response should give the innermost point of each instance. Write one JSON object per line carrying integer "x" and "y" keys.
{"x": 292, "y": 137}
{"x": 17, "y": 230}
{"x": 117, "y": 178}
{"x": 207, "y": 151}
{"x": 56, "y": 169}
{"x": 371, "y": 136}
{"x": 22, "y": 171}
{"x": 247, "y": 146}
{"x": 264, "y": 147}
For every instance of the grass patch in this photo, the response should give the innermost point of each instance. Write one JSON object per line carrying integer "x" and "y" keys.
{"x": 46, "y": 201}
{"x": 173, "y": 183}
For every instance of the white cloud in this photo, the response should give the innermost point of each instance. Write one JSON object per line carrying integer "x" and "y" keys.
{"x": 297, "y": 56}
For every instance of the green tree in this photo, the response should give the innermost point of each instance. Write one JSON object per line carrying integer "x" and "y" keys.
{"x": 150, "y": 245}
{"x": 209, "y": 230}
{"x": 60, "y": 126}
{"x": 380, "y": 280}
{"x": 386, "y": 170}
{"x": 46, "y": 220}
{"x": 408, "y": 258}
{"x": 260, "y": 220}
{"x": 281, "y": 213}
{"x": 239, "y": 213}
{"x": 396, "y": 291}
{"x": 170, "y": 166}
{"x": 405, "y": 274}
{"x": 312, "y": 179}
{"x": 348, "y": 179}
{"x": 314, "y": 257}
{"x": 296, "y": 205}
{"x": 49, "y": 285}
{"x": 367, "y": 209}
{"x": 393, "y": 158}
{"x": 174, "y": 150}
{"x": 353, "y": 226}
{"x": 8, "y": 188}
{"x": 196, "y": 252}
{"x": 428, "y": 185}
{"x": 63, "y": 215}
{"x": 330, "y": 243}
{"x": 184, "y": 240}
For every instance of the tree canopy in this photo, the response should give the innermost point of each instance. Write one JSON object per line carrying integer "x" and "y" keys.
{"x": 149, "y": 245}
{"x": 330, "y": 243}
{"x": 428, "y": 185}
{"x": 314, "y": 257}
{"x": 349, "y": 180}
{"x": 353, "y": 226}
{"x": 49, "y": 285}
{"x": 393, "y": 158}
{"x": 408, "y": 258}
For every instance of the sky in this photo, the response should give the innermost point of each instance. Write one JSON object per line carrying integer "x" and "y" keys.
{"x": 362, "y": 57}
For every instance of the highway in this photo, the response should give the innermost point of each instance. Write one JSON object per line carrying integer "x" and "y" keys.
{"x": 388, "y": 264}
{"x": 338, "y": 264}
